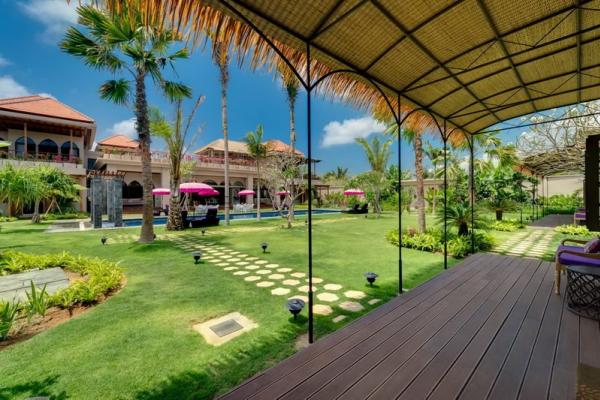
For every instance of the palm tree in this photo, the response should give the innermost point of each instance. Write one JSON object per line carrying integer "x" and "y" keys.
{"x": 291, "y": 86}
{"x": 378, "y": 155}
{"x": 435, "y": 156}
{"x": 257, "y": 149}
{"x": 129, "y": 42}
{"x": 221, "y": 58}
{"x": 415, "y": 137}
{"x": 175, "y": 136}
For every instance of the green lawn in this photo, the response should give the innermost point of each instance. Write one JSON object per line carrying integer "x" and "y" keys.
{"x": 139, "y": 344}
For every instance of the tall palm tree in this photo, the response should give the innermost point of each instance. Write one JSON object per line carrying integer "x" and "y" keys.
{"x": 415, "y": 137}
{"x": 221, "y": 58}
{"x": 257, "y": 149}
{"x": 435, "y": 156}
{"x": 291, "y": 87}
{"x": 129, "y": 42}
{"x": 378, "y": 154}
{"x": 175, "y": 135}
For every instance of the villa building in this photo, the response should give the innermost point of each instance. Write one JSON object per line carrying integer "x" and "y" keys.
{"x": 63, "y": 137}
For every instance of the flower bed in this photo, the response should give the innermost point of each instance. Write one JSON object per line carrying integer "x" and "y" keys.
{"x": 433, "y": 241}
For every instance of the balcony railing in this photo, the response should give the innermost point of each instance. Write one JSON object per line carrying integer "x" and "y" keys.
{"x": 40, "y": 157}
{"x": 202, "y": 161}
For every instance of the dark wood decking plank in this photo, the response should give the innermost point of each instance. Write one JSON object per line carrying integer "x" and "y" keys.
{"x": 563, "y": 380}
{"x": 536, "y": 380}
{"x": 406, "y": 341}
{"x": 589, "y": 342}
{"x": 510, "y": 376}
{"x": 484, "y": 325}
{"x": 474, "y": 372}
{"x": 447, "y": 279}
{"x": 330, "y": 363}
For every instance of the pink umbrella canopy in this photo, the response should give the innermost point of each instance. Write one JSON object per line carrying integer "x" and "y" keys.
{"x": 161, "y": 192}
{"x": 283, "y": 193}
{"x": 201, "y": 189}
{"x": 246, "y": 192}
{"x": 353, "y": 192}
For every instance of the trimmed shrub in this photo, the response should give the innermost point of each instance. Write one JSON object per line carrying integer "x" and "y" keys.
{"x": 574, "y": 230}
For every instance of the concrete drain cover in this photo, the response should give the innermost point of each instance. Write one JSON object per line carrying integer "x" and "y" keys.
{"x": 221, "y": 330}
{"x": 225, "y": 328}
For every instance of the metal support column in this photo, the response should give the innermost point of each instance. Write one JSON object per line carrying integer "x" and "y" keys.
{"x": 310, "y": 196}
{"x": 445, "y": 139}
{"x": 472, "y": 194}
{"x": 398, "y": 123}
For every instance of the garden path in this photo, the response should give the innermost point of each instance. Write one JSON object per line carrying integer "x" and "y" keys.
{"x": 528, "y": 243}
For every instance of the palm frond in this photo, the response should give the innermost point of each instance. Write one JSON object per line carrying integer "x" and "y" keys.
{"x": 116, "y": 90}
{"x": 176, "y": 90}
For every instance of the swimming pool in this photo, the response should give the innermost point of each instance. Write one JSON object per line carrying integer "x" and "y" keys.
{"x": 251, "y": 215}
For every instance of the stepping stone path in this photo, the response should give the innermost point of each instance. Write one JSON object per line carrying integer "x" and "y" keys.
{"x": 529, "y": 243}
{"x": 280, "y": 281}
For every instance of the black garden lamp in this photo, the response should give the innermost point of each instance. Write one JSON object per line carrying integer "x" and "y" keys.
{"x": 197, "y": 255}
{"x": 264, "y": 246}
{"x": 294, "y": 306}
{"x": 371, "y": 276}
{"x": 103, "y": 239}
{"x": 203, "y": 232}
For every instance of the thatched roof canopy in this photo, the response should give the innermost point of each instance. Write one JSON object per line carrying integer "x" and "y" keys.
{"x": 472, "y": 63}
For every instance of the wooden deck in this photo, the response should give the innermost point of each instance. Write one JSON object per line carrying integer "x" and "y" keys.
{"x": 490, "y": 328}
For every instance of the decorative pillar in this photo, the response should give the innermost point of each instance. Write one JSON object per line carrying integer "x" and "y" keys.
{"x": 97, "y": 191}
{"x": 110, "y": 200}
{"x": 117, "y": 200}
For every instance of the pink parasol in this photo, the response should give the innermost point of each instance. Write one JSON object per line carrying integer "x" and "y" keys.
{"x": 283, "y": 193}
{"x": 161, "y": 192}
{"x": 202, "y": 189}
{"x": 353, "y": 192}
{"x": 246, "y": 192}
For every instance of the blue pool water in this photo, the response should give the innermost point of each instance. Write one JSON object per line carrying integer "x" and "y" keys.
{"x": 251, "y": 215}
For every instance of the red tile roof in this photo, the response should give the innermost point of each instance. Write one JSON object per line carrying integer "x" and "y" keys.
{"x": 119, "y": 141}
{"x": 280, "y": 147}
{"x": 43, "y": 106}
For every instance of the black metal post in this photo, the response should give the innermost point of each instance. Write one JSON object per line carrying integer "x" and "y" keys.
{"x": 472, "y": 194}
{"x": 445, "y": 139}
{"x": 309, "y": 152}
{"x": 399, "y": 124}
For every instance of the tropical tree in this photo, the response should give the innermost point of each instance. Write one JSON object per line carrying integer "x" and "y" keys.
{"x": 338, "y": 174}
{"x": 131, "y": 43}
{"x": 436, "y": 157}
{"x": 175, "y": 135}
{"x": 459, "y": 216}
{"x": 257, "y": 149}
{"x": 291, "y": 87}
{"x": 221, "y": 58}
{"x": 378, "y": 155}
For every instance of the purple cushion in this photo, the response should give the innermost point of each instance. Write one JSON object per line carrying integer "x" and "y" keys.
{"x": 593, "y": 246}
{"x": 580, "y": 215}
{"x": 572, "y": 259}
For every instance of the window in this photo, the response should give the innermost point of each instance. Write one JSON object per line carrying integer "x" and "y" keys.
{"x": 20, "y": 146}
{"x": 66, "y": 148}
{"x": 136, "y": 191}
{"x": 47, "y": 148}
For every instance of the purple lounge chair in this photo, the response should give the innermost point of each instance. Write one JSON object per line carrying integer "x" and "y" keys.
{"x": 572, "y": 255}
{"x": 579, "y": 215}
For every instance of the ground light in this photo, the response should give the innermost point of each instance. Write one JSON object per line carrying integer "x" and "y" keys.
{"x": 103, "y": 239}
{"x": 294, "y": 306}
{"x": 371, "y": 276}
{"x": 197, "y": 255}
{"x": 203, "y": 232}
{"x": 264, "y": 246}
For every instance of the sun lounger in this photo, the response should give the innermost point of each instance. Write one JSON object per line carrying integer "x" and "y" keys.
{"x": 572, "y": 255}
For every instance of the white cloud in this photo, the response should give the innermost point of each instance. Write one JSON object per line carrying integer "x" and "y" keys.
{"x": 11, "y": 88}
{"x": 125, "y": 127}
{"x": 348, "y": 130}
{"x": 4, "y": 62}
{"x": 55, "y": 15}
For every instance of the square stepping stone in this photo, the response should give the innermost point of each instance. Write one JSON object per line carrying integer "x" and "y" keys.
{"x": 351, "y": 306}
{"x": 339, "y": 318}
{"x": 261, "y": 262}
{"x": 272, "y": 265}
{"x": 329, "y": 297}
{"x": 230, "y": 268}
{"x": 284, "y": 270}
{"x": 276, "y": 276}
{"x": 263, "y": 271}
{"x": 252, "y": 258}
{"x": 374, "y": 301}
{"x": 355, "y": 294}
{"x": 332, "y": 286}
{"x": 298, "y": 274}
{"x": 251, "y": 267}
{"x": 221, "y": 330}
{"x": 223, "y": 264}
{"x": 235, "y": 259}
{"x": 280, "y": 291}
{"x": 242, "y": 263}
{"x": 291, "y": 282}
{"x": 241, "y": 272}
{"x": 265, "y": 284}
{"x": 251, "y": 278}
{"x": 305, "y": 288}
{"x": 322, "y": 309}
{"x": 315, "y": 280}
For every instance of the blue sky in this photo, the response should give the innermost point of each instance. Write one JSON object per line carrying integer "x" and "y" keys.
{"x": 31, "y": 62}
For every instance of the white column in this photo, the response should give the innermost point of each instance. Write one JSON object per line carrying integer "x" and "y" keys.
{"x": 165, "y": 177}
{"x": 250, "y": 185}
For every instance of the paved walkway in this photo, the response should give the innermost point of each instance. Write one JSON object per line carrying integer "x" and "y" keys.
{"x": 528, "y": 243}
{"x": 330, "y": 298}
{"x": 15, "y": 286}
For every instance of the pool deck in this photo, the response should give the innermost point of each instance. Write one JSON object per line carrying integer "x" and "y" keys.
{"x": 489, "y": 328}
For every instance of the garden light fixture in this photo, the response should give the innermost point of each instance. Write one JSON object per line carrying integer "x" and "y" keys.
{"x": 103, "y": 239}
{"x": 371, "y": 276}
{"x": 197, "y": 255}
{"x": 264, "y": 246}
{"x": 294, "y": 306}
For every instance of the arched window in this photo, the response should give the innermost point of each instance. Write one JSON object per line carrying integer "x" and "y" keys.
{"x": 238, "y": 184}
{"x": 47, "y": 148}
{"x": 65, "y": 149}
{"x": 20, "y": 146}
{"x": 136, "y": 191}
{"x": 210, "y": 182}
{"x": 125, "y": 190}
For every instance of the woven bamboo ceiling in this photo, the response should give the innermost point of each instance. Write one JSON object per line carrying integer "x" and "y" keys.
{"x": 473, "y": 63}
